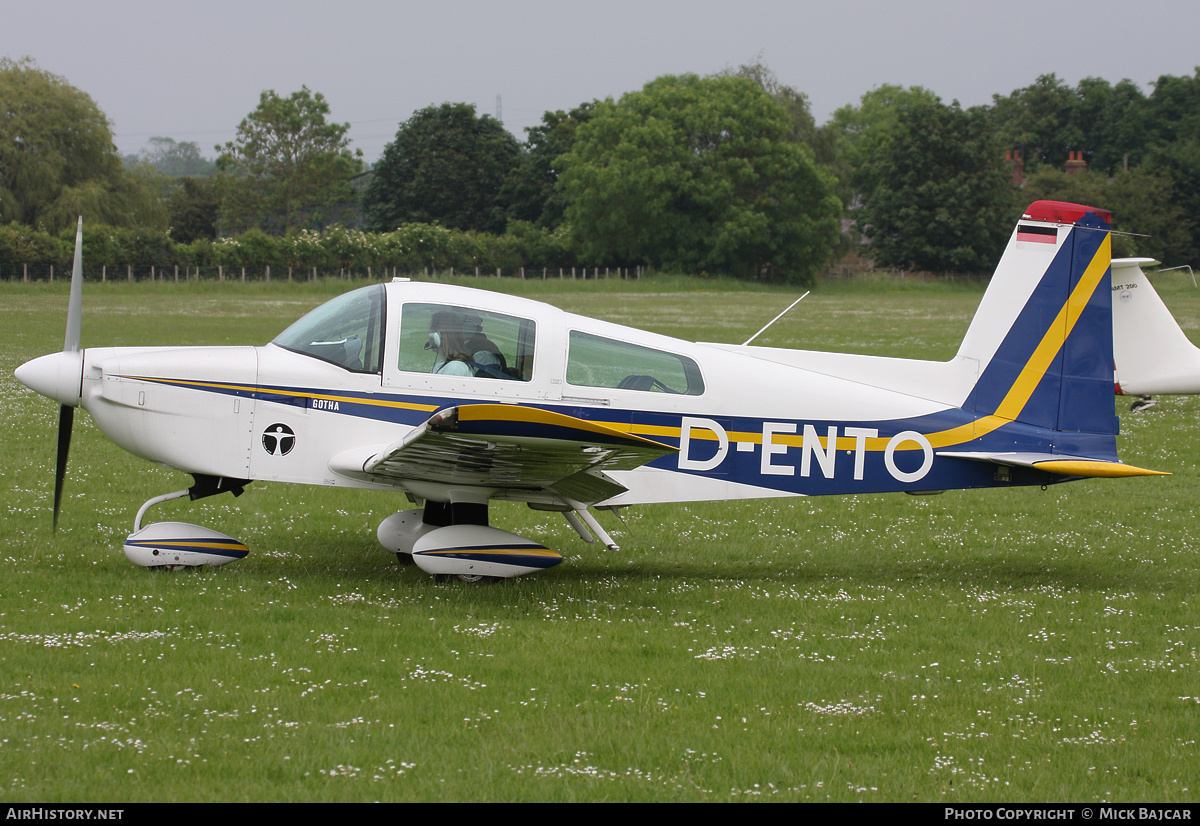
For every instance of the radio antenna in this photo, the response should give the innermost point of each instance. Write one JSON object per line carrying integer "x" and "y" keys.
{"x": 776, "y": 318}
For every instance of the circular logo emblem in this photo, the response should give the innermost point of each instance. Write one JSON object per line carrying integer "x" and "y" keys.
{"x": 279, "y": 438}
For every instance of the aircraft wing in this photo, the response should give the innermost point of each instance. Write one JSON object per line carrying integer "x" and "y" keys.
{"x": 1057, "y": 463}
{"x": 507, "y": 447}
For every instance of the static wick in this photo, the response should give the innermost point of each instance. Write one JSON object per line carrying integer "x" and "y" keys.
{"x": 776, "y": 318}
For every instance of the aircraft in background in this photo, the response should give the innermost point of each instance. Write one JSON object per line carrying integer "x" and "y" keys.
{"x": 1151, "y": 353}
{"x": 455, "y": 397}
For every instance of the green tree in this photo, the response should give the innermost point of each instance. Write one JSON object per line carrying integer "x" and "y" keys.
{"x": 794, "y": 102}
{"x": 531, "y": 189}
{"x": 1180, "y": 162}
{"x": 1173, "y": 109}
{"x": 1173, "y": 125}
{"x": 936, "y": 195}
{"x": 1041, "y": 121}
{"x": 446, "y": 165}
{"x": 855, "y": 133}
{"x": 176, "y": 159}
{"x": 57, "y": 158}
{"x": 1113, "y": 122}
{"x": 696, "y": 174}
{"x": 1048, "y": 119}
{"x": 192, "y": 209}
{"x": 822, "y": 142}
{"x": 288, "y": 167}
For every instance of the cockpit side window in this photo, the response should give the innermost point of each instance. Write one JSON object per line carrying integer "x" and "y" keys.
{"x": 595, "y": 361}
{"x": 466, "y": 342}
{"x": 346, "y": 331}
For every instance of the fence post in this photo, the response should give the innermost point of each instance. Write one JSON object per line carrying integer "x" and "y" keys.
{"x": 176, "y": 273}
{"x": 243, "y": 275}
{"x": 220, "y": 272}
{"x": 25, "y": 273}
{"x": 103, "y": 273}
{"x": 51, "y": 273}
{"x": 129, "y": 272}
{"x": 268, "y": 273}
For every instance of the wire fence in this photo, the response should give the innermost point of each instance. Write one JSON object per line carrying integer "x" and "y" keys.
{"x": 48, "y": 273}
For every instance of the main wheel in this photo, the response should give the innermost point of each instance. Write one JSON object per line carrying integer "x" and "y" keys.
{"x": 466, "y": 578}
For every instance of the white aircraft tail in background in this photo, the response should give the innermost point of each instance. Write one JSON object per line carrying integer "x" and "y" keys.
{"x": 1151, "y": 352}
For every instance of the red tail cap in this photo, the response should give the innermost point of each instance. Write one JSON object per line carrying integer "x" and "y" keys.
{"x": 1061, "y": 212}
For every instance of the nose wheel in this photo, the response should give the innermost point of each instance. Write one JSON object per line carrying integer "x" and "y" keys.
{"x": 466, "y": 578}
{"x": 176, "y": 545}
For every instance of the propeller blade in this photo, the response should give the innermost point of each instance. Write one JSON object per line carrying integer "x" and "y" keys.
{"x": 75, "y": 303}
{"x": 66, "y": 413}
{"x": 66, "y": 416}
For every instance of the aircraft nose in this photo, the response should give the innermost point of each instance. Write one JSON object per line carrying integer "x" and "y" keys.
{"x": 58, "y": 376}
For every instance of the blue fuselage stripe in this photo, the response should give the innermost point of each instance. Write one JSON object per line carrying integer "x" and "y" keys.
{"x": 784, "y": 470}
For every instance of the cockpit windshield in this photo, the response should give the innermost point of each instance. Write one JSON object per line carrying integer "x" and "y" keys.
{"x": 346, "y": 331}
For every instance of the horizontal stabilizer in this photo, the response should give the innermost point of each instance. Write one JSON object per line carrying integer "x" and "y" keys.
{"x": 1057, "y": 463}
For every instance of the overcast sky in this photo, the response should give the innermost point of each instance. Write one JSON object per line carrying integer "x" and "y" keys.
{"x": 191, "y": 71}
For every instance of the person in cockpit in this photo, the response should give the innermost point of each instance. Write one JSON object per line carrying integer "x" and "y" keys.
{"x": 448, "y": 340}
{"x": 483, "y": 350}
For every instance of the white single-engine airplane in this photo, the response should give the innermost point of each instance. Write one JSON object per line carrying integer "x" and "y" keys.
{"x": 457, "y": 396}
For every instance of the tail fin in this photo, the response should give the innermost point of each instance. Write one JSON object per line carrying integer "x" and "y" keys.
{"x": 1043, "y": 334}
{"x": 1152, "y": 353}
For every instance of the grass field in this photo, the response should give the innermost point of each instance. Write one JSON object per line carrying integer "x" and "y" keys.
{"x": 1016, "y": 645}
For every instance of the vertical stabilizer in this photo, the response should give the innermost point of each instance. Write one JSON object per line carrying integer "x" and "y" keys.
{"x": 1043, "y": 333}
{"x": 1152, "y": 353}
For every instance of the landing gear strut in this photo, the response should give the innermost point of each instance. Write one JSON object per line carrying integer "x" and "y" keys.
{"x": 173, "y": 545}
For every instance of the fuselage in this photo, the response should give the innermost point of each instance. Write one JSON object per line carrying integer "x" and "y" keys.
{"x": 359, "y": 377}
